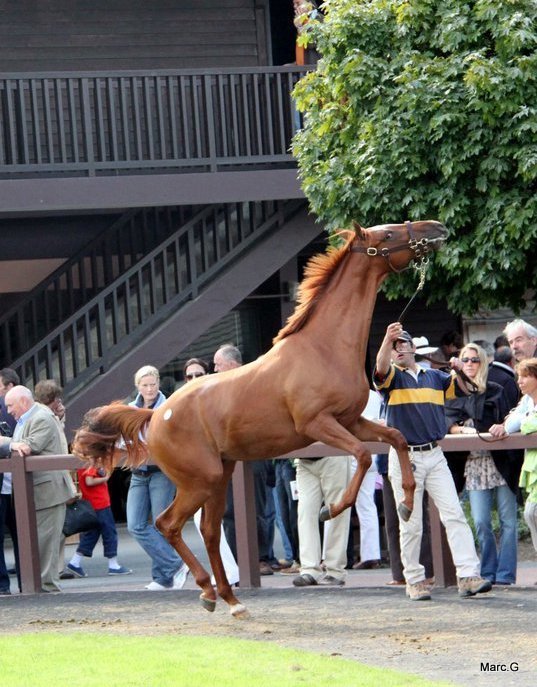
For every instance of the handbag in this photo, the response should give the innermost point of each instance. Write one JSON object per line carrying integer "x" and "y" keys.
{"x": 80, "y": 516}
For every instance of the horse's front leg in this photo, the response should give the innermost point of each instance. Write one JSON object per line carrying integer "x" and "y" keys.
{"x": 327, "y": 429}
{"x": 368, "y": 430}
{"x": 171, "y": 522}
{"x": 211, "y": 528}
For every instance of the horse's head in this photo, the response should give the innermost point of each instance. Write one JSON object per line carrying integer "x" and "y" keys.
{"x": 399, "y": 244}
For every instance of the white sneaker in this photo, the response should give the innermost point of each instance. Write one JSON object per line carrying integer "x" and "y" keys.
{"x": 156, "y": 587}
{"x": 180, "y": 576}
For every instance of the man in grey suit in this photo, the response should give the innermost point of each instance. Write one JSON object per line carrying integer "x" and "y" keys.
{"x": 38, "y": 433}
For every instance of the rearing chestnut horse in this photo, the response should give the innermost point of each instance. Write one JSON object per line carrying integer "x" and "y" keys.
{"x": 310, "y": 386}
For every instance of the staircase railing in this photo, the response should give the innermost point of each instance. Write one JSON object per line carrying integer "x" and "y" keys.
{"x": 90, "y": 341}
{"x": 91, "y": 123}
{"x": 83, "y": 276}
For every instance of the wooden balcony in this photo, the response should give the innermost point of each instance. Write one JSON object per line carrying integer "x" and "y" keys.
{"x": 146, "y": 138}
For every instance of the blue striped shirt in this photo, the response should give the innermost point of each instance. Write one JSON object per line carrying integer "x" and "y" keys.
{"x": 415, "y": 403}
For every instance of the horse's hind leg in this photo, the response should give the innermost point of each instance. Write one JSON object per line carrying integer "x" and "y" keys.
{"x": 171, "y": 523}
{"x": 211, "y": 528}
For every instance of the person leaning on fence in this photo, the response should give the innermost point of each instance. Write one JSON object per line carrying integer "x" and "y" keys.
{"x": 523, "y": 419}
{"x": 415, "y": 399}
{"x": 490, "y": 476}
{"x": 38, "y": 433}
{"x": 8, "y": 379}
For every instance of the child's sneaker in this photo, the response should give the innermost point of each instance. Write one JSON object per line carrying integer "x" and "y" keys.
{"x": 119, "y": 571}
{"x": 76, "y": 570}
{"x": 470, "y": 586}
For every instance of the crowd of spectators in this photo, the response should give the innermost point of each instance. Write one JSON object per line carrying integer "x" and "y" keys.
{"x": 458, "y": 387}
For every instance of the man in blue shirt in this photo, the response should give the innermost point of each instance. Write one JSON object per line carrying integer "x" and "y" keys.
{"x": 415, "y": 406}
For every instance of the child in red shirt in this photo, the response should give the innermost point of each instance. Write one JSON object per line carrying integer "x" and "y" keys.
{"x": 93, "y": 485}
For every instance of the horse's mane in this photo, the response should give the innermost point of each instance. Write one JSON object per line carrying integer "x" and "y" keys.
{"x": 317, "y": 275}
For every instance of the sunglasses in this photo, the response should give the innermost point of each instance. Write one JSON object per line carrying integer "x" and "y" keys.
{"x": 470, "y": 360}
{"x": 195, "y": 374}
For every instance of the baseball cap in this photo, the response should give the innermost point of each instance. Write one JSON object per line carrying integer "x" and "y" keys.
{"x": 404, "y": 336}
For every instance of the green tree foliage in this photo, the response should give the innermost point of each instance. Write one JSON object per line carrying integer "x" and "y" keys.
{"x": 427, "y": 109}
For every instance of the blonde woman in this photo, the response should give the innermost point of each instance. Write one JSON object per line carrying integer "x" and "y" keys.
{"x": 150, "y": 493}
{"x": 491, "y": 478}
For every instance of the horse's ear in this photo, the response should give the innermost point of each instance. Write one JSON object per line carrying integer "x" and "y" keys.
{"x": 358, "y": 229}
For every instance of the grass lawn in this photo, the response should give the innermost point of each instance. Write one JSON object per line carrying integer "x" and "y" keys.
{"x": 92, "y": 660}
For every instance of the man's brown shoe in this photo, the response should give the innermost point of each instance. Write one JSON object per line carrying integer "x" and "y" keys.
{"x": 418, "y": 591}
{"x": 293, "y": 569}
{"x": 470, "y": 586}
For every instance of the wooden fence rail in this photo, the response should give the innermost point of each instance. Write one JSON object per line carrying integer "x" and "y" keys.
{"x": 22, "y": 469}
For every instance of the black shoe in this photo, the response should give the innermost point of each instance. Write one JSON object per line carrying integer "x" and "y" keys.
{"x": 265, "y": 569}
{"x": 305, "y": 580}
{"x": 67, "y": 575}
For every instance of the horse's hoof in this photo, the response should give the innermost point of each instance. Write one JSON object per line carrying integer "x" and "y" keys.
{"x": 208, "y": 604}
{"x": 324, "y": 514}
{"x": 239, "y": 611}
{"x": 404, "y": 512}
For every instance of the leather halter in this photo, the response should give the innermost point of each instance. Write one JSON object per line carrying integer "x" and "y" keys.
{"x": 419, "y": 247}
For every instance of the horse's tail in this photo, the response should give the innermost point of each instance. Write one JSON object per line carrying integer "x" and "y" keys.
{"x": 102, "y": 428}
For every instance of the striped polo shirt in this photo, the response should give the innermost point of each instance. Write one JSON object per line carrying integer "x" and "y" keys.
{"x": 415, "y": 403}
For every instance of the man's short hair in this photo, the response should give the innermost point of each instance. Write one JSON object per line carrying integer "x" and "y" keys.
{"x": 504, "y": 355}
{"x": 9, "y": 376}
{"x": 500, "y": 341}
{"x": 231, "y": 352}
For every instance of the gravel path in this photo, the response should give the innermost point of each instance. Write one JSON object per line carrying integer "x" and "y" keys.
{"x": 448, "y": 638}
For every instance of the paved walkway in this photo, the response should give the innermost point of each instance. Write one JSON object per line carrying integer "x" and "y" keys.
{"x": 132, "y": 556}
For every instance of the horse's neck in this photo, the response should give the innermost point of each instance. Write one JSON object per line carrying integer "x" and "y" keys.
{"x": 345, "y": 310}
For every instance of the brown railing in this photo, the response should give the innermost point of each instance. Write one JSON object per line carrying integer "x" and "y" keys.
{"x": 87, "y": 343}
{"x": 82, "y": 277}
{"x": 112, "y": 123}
{"x": 22, "y": 469}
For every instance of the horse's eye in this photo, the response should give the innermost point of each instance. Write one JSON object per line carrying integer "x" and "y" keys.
{"x": 388, "y": 235}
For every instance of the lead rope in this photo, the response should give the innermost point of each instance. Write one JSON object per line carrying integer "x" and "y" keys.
{"x": 422, "y": 269}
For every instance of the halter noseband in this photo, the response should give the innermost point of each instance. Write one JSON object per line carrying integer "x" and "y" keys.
{"x": 419, "y": 247}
